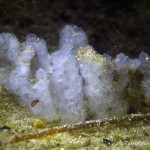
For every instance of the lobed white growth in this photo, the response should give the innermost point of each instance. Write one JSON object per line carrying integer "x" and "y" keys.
{"x": 74, "y": 83}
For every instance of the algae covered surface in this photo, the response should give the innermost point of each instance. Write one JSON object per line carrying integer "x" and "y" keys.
{"x": 17, "y": 121}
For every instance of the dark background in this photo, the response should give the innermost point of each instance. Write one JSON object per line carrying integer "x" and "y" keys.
{"x": 112, "y": 26}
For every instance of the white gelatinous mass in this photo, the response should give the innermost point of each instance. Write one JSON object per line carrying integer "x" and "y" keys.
{"x": 74, "y": 83}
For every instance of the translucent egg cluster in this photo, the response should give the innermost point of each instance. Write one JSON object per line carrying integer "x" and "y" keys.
{"x": 74, "y": 83}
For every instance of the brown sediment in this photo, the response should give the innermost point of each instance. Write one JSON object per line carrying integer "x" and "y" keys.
{"x": 83, "y": 125}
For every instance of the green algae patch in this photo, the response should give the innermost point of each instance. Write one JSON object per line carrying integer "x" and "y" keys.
{"x": 88, "y": 53}
{"x": 17, "y": 121}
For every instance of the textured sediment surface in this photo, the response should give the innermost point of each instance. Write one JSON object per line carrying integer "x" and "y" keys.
{"x": 17, "y": 121}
